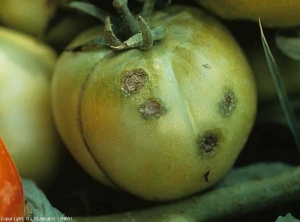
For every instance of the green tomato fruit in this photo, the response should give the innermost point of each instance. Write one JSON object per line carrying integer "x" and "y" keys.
{"x": 31, "y": 17}
{"x": 272, "y": 13}
{"x": 162, "y": 123}
{"x": 26, "y": 121}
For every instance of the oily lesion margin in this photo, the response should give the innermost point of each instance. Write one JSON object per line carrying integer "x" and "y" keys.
{"x": 79, "y": 118}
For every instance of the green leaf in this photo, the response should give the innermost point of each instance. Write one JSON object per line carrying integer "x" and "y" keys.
{"x": 287, "y": 218}
{"x": 283, "y": 98}
{"x": 288, "y": 41}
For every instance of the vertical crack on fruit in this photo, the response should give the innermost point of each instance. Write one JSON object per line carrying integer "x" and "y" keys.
{"x": 152, "y": 109}
{"x": 133, "y": 81}
{"x": 208, "y": 143}
{"x": 227, "y": 104}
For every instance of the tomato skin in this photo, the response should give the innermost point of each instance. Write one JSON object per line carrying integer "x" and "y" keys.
{"x": 106, "y": 126}
{"x": 22, "y": 15}
{"x": 27, "y": 125}
{"x": 272, "y": 13}
{"x": 11, "y": 191}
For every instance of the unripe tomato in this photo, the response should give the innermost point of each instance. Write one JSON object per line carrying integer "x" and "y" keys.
{"x": 31, "y": 17}
{"x": 272, "y": 13}
{"x": 26, "y": 121}
{"x": 161, "y": 123}
{"x": 11, "y": 191}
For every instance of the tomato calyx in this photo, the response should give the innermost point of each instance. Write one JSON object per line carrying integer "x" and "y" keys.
{"x": 143, "y": 40}
{"x": 141, "y": 35}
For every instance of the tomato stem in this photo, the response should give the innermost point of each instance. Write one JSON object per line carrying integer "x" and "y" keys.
{"x": 237, "y": 199}
{"x": 89, "y": 9}
{"x": 127, "y": 17}
{"x": 147, "y": 11}
{"x": 141, "y": 35}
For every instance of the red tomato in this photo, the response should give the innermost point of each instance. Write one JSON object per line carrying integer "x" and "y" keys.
{"x": 11, "y": 191}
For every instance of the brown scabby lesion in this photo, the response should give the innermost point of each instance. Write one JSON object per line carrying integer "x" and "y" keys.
{"x": 132, "y": 81}
{"x": 228, "y": 103}
{"x": 208, "y": 143}
{"x": 152, "y": 109}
